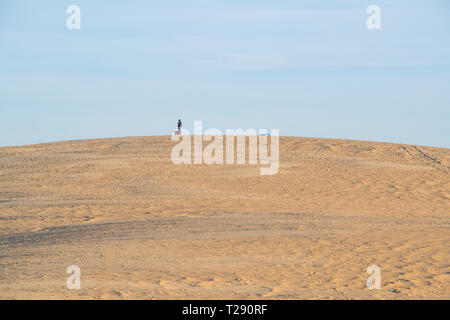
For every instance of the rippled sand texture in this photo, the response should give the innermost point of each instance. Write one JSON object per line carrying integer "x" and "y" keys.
{"x": 141, "y": 227}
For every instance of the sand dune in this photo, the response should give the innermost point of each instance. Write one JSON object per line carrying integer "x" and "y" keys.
{"x": 141, "y": 227}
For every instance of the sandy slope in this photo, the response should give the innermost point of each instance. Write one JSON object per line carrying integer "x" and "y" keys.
{"x": 141, "y": 227}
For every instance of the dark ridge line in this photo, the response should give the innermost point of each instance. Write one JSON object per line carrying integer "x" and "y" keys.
{"x": 426, "y": 157}
{"x": 430, "y": 157}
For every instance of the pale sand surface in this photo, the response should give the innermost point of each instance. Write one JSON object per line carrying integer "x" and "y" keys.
{"x": 141, "y": 227}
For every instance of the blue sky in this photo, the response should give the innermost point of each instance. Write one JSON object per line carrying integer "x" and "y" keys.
{"x": 309, "y": 68}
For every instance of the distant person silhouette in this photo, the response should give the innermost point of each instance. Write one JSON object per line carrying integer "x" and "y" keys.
{"x": 180, "y": 124}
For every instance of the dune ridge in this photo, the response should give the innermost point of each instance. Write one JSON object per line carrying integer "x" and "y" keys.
{"x": 141, "y": 227}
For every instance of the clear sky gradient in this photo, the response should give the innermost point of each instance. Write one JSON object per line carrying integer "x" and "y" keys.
{"x": 308, "y": 68}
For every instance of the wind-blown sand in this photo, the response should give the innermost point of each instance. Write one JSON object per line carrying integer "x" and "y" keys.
{"x": 141, "y": 227}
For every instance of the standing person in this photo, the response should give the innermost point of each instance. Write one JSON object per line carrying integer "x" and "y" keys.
{"x": 180, "y": 124}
